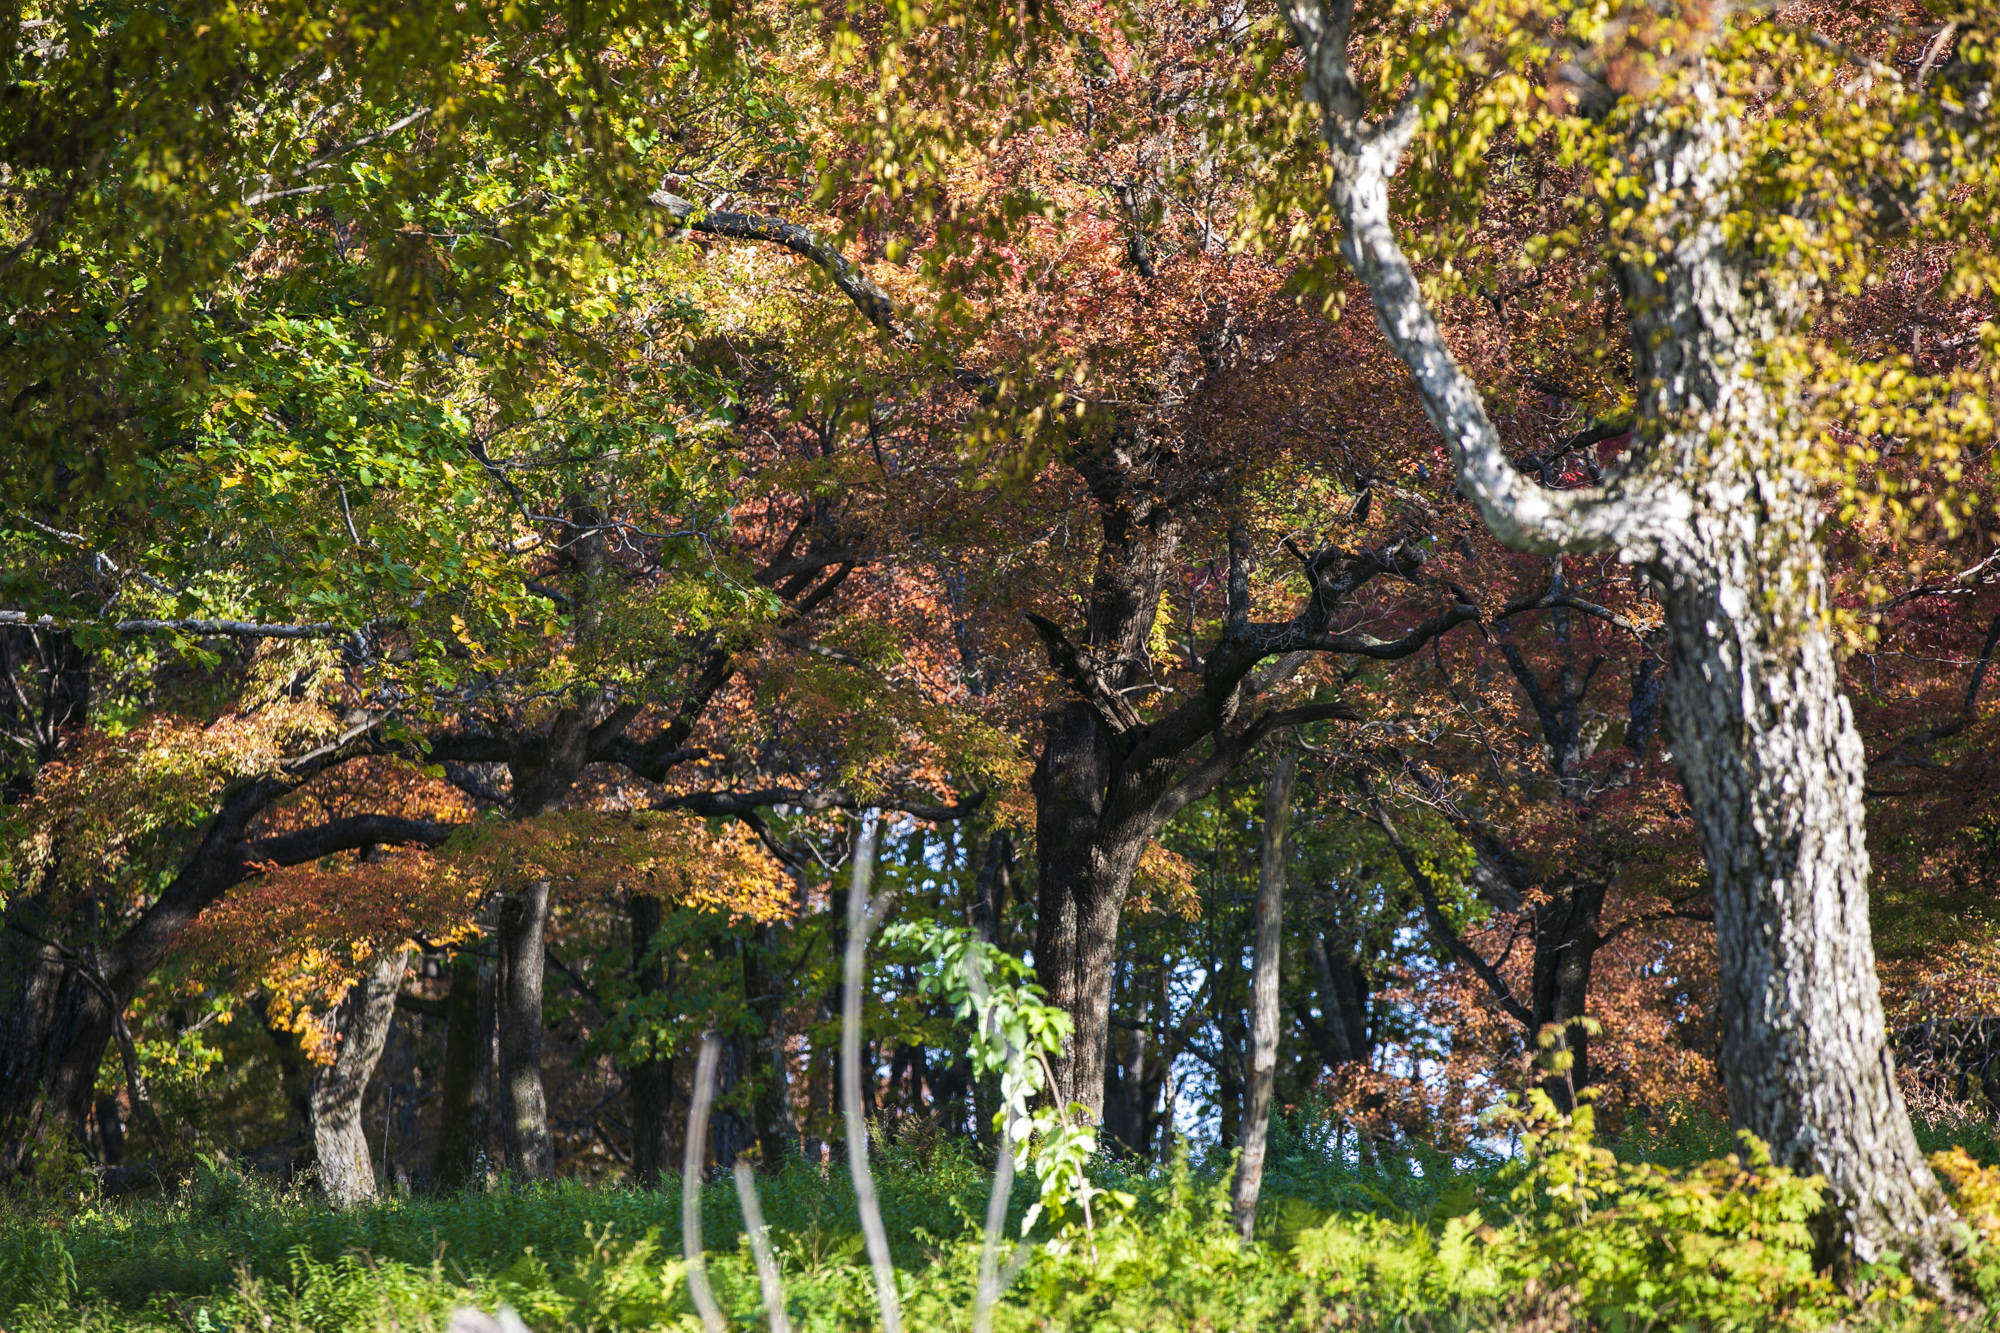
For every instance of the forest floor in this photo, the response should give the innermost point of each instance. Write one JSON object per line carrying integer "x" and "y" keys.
{"x": 1670, "y": 1232}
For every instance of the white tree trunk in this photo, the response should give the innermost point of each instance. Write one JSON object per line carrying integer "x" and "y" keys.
{"x": 1268, "y": 921}
{"x": 1716, "y": 505}
{"x": 362, "y": 1023}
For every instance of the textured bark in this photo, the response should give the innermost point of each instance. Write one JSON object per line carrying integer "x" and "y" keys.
{"x": 1084, "y": 872}
{"x": 361, "y": 1026}
{"x": 1774, "y": 769}
{"x": 650, "y": 1082}
{"x": 524, "y": 1113}
{"x": 1268, "y": 922}
{"x": 466, "y": 1117}
{"x": 1715, "y": 504}
{"x": 53, "y": 1035}
{"x": 1764, "y": 738}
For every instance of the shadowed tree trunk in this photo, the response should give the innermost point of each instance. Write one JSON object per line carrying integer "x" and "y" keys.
{"x": 67, "y": 999}
{"x": 650, "y": 1080}
{"x": 466, "y": 1116}
{"x": 777, "y": 1132}
{"x": 993, "y": 890}
{"x": 361, "y": 1026}
{"x": 524, "y": 1113}
{"x": 1137, "y": 1077}
{"x": 1269, "y": 918}
{"x": 1107, "y": 779}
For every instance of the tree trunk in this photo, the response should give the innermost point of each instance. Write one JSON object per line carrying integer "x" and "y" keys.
{"x": 1345, "y": 1002}
{"x": 1774, "y": 768}
{"x": 57, "y": 1025}
{"x": 650, "y": 1080}
{"x": 361, "y": 1025}
{"x": 1132, "y": 1075}
{"x": 1269, "y": 920}
{"x": 1566, "y": 943}
{"x": 524, "y": 1115}
{"x": 468, "y": 1063}
{"x": 776, "y": 1128}
{"x": 1084, "y": 872}
{"x": 1763, "y": 738}
{"x": 1716, "y": 502}
{"x": 993, "y": 890}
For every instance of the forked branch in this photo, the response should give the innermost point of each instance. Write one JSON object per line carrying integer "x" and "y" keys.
{"x": 1365, "y": 153}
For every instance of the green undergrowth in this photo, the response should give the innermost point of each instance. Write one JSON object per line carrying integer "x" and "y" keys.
{"x": 1671, "y": 1230}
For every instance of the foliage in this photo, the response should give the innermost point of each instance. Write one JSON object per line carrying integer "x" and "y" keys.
{"x": 1725, "y": 1244}
{"x": 1014, "y": 1036}
{"x": 1653, "y": 1253}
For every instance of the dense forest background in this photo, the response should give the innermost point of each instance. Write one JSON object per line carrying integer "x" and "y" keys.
{"x": 534, "y": 539}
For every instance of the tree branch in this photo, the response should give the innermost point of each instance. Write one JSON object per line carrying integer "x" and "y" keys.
{"x": 337, "y": 835}
{"x": 1364, "y": 155}
{"x": 873, "y": 303}
{"x": 737, "y": 804}
{"x": 243, "y": 629}
{"x": 1677, "y": 913}
{"x": 1070, "y": 663}
{"x": 1434, "y": 916}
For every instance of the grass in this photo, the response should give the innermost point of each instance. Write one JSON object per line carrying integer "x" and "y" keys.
{"x": 1417, "y": 1242}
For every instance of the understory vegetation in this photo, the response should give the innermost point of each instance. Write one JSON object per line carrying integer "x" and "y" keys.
{"x": 1659, "y": 1230}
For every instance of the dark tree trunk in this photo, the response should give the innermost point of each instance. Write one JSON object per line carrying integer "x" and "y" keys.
{"x": 650, "y": 1079}
{"x": 1076, "y": 941}
{"x": 1346, "y": 1003}
{"x": 466, "y": 1114}
{"x": 62, "y": 1013}
{"x": 1131, "y": 1087}
{"x": 1085, "y": 862}
{"x": 524, "y": 1115}
{"x": 993, "y": 890}
{"x": 110, "y": 1131}
{"x": 56, "y": 1023}
{"x": 729, "y": 1133}
{"x": 1566, "y": 943}
{"x": 1108, "y": 779}
{"x": 361, "y": 1026}
{"x": 776, "y": 1128}
{"x": 68, "y": 999}
{"x": 1268, "y": 923}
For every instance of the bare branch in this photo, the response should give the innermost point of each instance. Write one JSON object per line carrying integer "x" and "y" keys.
{"x": 243, "y": 629}
{"x": 873, "y": 303}
{"x": 1434, "y": 915}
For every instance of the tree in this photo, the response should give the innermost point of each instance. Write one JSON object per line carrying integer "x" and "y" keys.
{"x": 1547, "y": 775}
{"x": 1765, "y": 742}
{"x": 1264, "y": 979}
